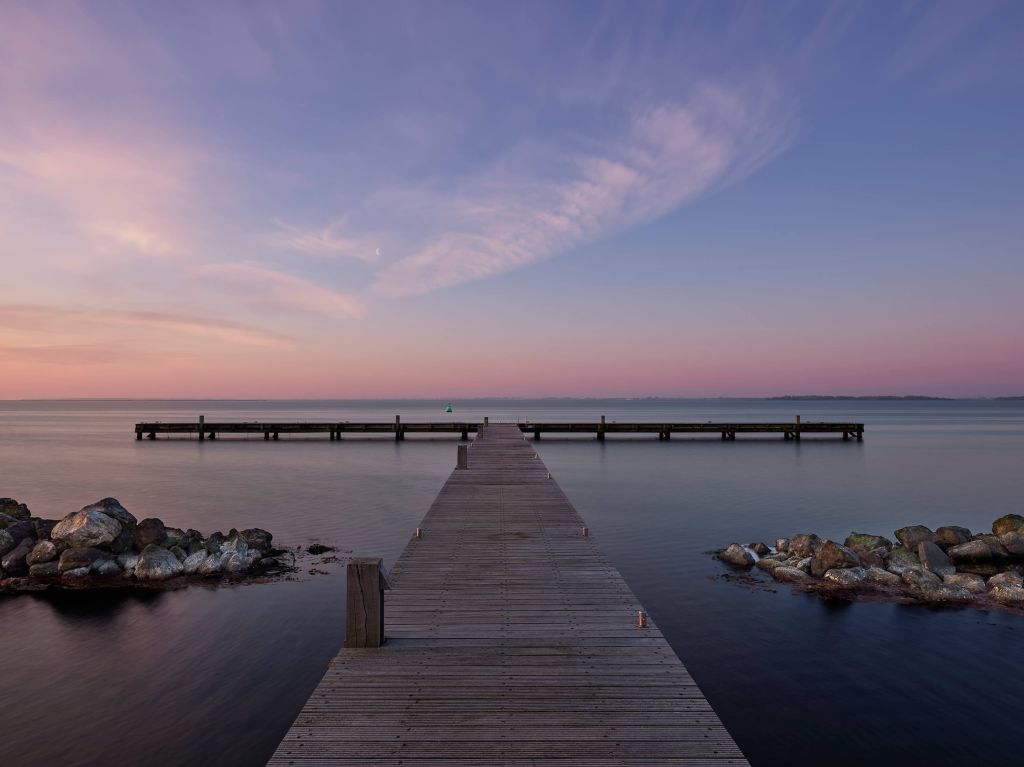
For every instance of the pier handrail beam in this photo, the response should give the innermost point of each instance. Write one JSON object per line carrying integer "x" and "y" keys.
{"x": 790, "y": 430}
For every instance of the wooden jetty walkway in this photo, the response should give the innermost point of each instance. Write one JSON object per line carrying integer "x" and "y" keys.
{"x": 728, "y": 431}
{"x": 510, "y": 640}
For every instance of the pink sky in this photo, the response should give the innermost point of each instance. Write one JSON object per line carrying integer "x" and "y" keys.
{"x": 267, "y": 201}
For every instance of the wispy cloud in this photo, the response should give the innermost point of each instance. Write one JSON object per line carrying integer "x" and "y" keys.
{"x": 264, "y": 288}
{"x": 331, "y": 240}
{"x": 513, "y": 214}
{"x": 56, "y": 321}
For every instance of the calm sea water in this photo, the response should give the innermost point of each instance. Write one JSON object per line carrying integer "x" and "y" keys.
{"x": 216, "y": 675}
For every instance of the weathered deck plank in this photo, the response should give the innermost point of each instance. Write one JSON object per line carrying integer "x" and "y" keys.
{"x": 511, "y": 640}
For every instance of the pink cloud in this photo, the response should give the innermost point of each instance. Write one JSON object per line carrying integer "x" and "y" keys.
{"x": 262, "y": 288}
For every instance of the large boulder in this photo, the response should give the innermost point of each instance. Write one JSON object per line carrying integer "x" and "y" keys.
{"x": 782, "y": 545}
{"x": 760, "y": 547}
{"x": 44, "y": 570}
{"x": 86, "y": 528}
{"x": 157, "y": 564}
{"x": 6, "y": 542}
{"x": 20, "y": 530}
{"x": 211, "y": 565}
{"x": 193, "y": 541}
{"x": 1006, "y": 579}
{"x": 214, "y": 542}
{"x": 832, "y": 556}
{"x": 1008, "y": 595}
{"x": 175, "y": 537}
{"x": 804, "y": 544}
{"x": 846, "y": 576}
{"x": 768, "y": 563}
{"x": 875, "y": 558}
{"x": 150, "y": 531}
{"x": 900, "y": 559}
{"x": 951, "y": 535}
{"x": 1005, "y": 524}
{"x": 43, "y": 551}
{"x": 917, "y": 578}
{"x": 976, "y": 556}
{"x": 933, "y": 559}
{"x": 736, "y": 555}
{"x": 12, "y": 508}
{"x": 973, "y": 583}
{"x": 127, "y": 561}
{"x": 881, "y": 577}
{"x": 193, "y": 561}
{"x": 862, "y": 543}
{"x": 912, "y": 535}
{"x": 13, "y": 562}
{"x": 261, "y": 540}
{"x": 789, "y": 574}
{"x": 113, "y": 509}
{"x": 928, "y": 587}
{"x": 237, "y": 556}
{"x": 106, "y": 566}
{"x": 1013, "y": 542}
{"x": 79, "y": 557}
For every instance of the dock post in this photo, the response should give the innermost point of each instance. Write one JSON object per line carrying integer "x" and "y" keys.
{"x": 202, "y": 425}
{"x": 138, "y": 434}
{"x": 487, "y": 420}
{"x": 367, "y": 581}
{"x": 600, "y": 431}
{"x": 796, "y": 431}
{"x": 266, "y": 435}
{"x": 398, "y": 428}
{"x": 462, "y": 457}
{"x": 536, "y": 435}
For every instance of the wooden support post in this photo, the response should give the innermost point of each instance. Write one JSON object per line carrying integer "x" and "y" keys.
{"x": 725, "y": 435}
{"x": 465, "y": 435}
{"x": 796, "y": 431}
{"x": 462, "y": 457}
{"x": 398, "y": 428}
{"x": 668, "y": 435}
{"x": 487, "y": 420}
{"x": 860, "y": 436}
{"x": 202, "y": 425}
{"x": 266, "y": 435}
{"x": 152, "y": 435}
{"x": 536, "y": 435}
{"x": 846, "y": 436}
{"x": 275, "y": 435}
{"x": 367, "y": 581}
{"x": 600, "y": 431}
{"x": 213, "y": 435}
{"x": 138, "y": 435}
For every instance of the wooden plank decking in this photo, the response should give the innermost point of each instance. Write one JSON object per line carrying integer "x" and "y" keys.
{"x": 511, "y": 640}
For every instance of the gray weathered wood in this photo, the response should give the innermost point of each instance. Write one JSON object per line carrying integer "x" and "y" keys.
{"x": 364, "y": 603}
{"x": 512, "y": 640}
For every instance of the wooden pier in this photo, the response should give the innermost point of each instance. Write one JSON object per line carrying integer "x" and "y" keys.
{"x": 789, "y": 430}
{"x": 510, "y": 640}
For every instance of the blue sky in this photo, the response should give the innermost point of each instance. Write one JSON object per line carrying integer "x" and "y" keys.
{"x": 727, "y": 198}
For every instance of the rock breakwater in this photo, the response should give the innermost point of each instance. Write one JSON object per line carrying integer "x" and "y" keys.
{"x": 949, "y": 565}
{"x": 104, "y": 545}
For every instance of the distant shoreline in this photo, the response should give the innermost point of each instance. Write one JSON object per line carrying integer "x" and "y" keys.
{"x": 778, "y": 398}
